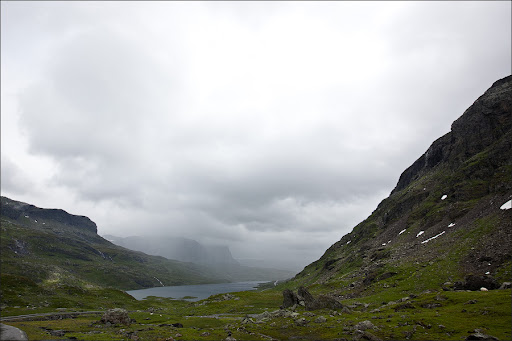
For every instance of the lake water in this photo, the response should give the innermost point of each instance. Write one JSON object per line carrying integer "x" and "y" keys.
{"x": 199, "y": 292}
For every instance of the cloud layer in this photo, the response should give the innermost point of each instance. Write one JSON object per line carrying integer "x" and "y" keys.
{"x": 271, "y": 127}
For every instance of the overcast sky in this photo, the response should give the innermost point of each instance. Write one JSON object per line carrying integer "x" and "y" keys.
{"x": 271, "y": 127}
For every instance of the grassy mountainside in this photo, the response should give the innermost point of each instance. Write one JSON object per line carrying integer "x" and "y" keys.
{"x": 443, "y": 220}
{"x": 54, "y": 250}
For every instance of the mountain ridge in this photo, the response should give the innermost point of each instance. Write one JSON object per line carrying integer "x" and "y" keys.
{"x": 443, "y": 220}
{"x": 486, "y": 118}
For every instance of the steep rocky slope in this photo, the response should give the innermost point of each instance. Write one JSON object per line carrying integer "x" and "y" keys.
{"x": 446, "y": 218}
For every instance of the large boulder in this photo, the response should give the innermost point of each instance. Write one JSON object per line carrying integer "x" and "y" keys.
{"x": 476, "y": 282}
{"x": 305, "y": 295}
{"x": 289, "y": 299}
{"x": 321, "y": 302}
{"x": 116, "y": 316}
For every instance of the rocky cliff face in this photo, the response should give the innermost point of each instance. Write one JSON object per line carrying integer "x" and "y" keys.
{"x": 481, "y": 125}
{"x": 30, "y": 215}
{"x": 446, "y": 218}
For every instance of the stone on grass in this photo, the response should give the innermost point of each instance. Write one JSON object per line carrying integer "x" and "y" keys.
{"x": 116, "y": 316}
{"x": 320, "y": 319}
{"x": 364, "y": 325}
{"x": 301, "y": 322}
{"x": 365, "y": 335}
{"x": 506, "y": 285}
{"x": 481, "y": 337}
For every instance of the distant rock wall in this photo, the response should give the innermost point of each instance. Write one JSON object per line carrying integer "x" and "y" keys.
{"x": 178, "y": 248}
{"x": 483, "y": 123}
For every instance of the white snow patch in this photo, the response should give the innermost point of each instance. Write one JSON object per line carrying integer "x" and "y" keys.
{"x": 451, "y": 225}
{"x": 434, "y": 237}
{"x": 44, "y": 223}
{"x": 389, "y": 242}
{"x": 348, "y": 242}
{"x": 26, "y": 216}
{"x": 420, "y": 233}
{"x": 383, "y": 244}
{"x": 487, "y": 273}
{"x": 35, "y": 221}
{"x": 507, "y": 205}
{"x": 444, "y": 197}
{"x": 424, "y": 188}
{"x": 402, "y": 231}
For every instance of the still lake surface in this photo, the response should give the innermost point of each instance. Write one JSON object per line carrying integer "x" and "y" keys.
{"x": 198, "y": 292}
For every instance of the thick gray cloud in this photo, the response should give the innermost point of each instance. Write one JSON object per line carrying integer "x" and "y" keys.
{"x": 271, "y": 127}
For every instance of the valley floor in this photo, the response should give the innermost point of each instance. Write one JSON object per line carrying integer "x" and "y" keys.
{"x": 441, "y": 315}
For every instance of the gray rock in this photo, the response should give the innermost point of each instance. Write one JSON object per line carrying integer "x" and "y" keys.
{"x": 116, "y": 316}
{"x": 345, "y": 310}
{"x": 481, "y": 337}
{"x": 247, "y": 320}
{"x": 320, "y": 319}
{"x": 301, "y": 322}
{"x": 263, "y": 316}
{"x": 321, "y": 302}
{"x": 506, "y": 285}
{"x": 12, "y": 333}
{"x": 289, "y": 299}
{"x": 365, "y": 335}
{"x": 364, "y": 325}
{"x": 447, "y": 286}
{"x": 305, "y": 294}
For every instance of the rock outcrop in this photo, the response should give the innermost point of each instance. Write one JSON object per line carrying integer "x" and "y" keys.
{"x": 305, "y": 298}
{"x": 289, "y": 299}
{"x": 486, "y": 121}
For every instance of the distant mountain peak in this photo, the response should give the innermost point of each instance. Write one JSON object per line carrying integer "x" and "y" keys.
{"x": 178, "y": 248}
